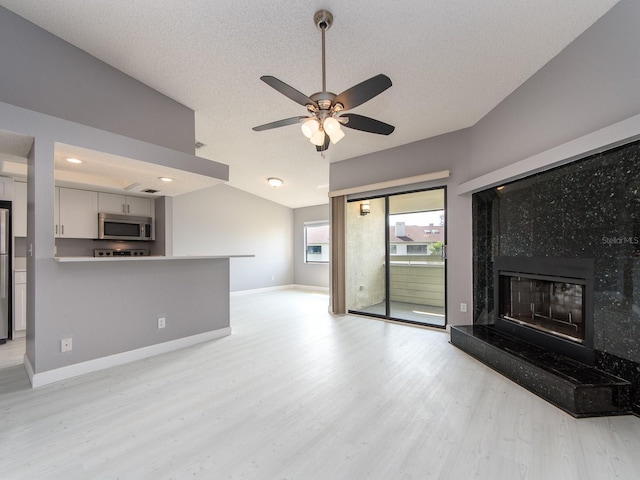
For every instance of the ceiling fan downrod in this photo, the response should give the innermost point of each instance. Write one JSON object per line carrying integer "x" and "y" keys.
{"x": 323, "y": 19}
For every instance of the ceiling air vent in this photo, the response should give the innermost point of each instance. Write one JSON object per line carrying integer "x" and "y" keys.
{"x": 149, "y": 190}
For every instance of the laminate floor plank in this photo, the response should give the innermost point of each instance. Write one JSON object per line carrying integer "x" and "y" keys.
{"x": 296, "y": 393}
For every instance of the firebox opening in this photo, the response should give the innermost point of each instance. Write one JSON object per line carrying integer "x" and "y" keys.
{"x": 547, "y": 302}
{"x": 553, "y": 305}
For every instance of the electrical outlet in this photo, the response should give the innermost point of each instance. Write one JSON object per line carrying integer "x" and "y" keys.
{"x": 273, "y": 278}
{"x": 161, "y": 322}
{"x": 463, "y": 307}
{"x": 66, "y": 345}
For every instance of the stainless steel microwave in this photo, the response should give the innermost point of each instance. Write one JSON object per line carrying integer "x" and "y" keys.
{"x": 124, "y": 227}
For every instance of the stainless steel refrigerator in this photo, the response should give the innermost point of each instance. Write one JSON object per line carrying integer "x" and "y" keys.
{"x": 5, "y": 271}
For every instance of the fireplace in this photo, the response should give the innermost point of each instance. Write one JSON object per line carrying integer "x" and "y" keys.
{"x": 551, "y": 304}
{"x": 547, "y": 302}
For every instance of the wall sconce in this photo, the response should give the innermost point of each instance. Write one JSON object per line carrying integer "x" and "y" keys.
{"x": 365, "y": 209}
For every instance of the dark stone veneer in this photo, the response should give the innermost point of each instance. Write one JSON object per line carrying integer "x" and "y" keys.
{"x": 588, "y": 209}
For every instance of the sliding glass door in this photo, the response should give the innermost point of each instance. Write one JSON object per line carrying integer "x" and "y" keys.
{"x": 366, "y": 253}
{"x": 396, "y": 248}
{"x": 416, "y": 257}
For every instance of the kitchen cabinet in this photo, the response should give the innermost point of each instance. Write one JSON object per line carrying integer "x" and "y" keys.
{"x": 19, "y": 304}
{"x": 76, "y": 213}
{"x": 125, "y": 205}
{"x": 19, "y": 209}
{"x": 6, "y": 188}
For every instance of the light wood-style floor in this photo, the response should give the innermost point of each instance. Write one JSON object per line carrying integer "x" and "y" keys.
{"x": 296, "y": 393}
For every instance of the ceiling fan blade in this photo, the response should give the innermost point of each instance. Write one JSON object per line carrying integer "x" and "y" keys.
{"x": 363, "y": 92}
{"x": 366, "y": 124}
{"x": 279, "y": 123}
{"x": 325, "y": 146}
{"x": 288, "y": 91}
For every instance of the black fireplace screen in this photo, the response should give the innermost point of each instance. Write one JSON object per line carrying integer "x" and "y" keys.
{"x": 550, "y": 304}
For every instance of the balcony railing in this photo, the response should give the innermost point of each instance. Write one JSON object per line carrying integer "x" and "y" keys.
{"x": 417, "y": 279}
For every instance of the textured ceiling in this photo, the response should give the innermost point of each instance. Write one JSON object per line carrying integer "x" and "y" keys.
{"x": 451, "y": 62}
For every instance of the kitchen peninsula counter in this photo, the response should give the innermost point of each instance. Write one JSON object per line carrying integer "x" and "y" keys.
{"x": 121, "y": 309}
{"x": 144, "y": 258}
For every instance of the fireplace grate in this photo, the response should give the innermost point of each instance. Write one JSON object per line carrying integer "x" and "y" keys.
{"x": 552, "y": 305}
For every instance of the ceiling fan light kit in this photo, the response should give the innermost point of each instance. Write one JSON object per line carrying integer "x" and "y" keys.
{"x": 326, "y": 118}
{"x": 309, "y": 127}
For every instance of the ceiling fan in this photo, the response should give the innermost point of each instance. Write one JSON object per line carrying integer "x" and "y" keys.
{"x": 325, "y": 108}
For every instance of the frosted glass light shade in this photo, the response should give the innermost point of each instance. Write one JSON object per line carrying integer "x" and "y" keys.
{"x": 336, "y": 135}
{"x": 309, "y": 127}
{"x": 330, "y": 125}
{"x": 317, "y": 138}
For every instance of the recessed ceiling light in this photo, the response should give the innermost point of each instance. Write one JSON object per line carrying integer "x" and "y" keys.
{"x": 166, "y": 179}
{"x": 74, "y": 160}
{"x": 275, "y": 182}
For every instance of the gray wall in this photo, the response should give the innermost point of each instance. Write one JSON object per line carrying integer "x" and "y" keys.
{"x": 54, "y": 92}
{"x": 450, "y": 151}
{"x": 223, "y": 220}
{"x": 43, "y": 73}
{"x": 589, "y": 85}
{"x": 308, "y": 274}
{"x": 113, "y": 307}
{"x": 61, "y": 304}
{"x": 163, "y": 225}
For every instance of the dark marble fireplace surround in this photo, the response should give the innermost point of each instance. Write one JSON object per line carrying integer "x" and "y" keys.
{"x": 585, "y": 211}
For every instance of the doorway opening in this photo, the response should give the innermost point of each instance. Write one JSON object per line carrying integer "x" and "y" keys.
{"x": 396, "y": 257}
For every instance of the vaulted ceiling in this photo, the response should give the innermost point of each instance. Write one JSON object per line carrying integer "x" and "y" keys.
{"x": 451, "y": 62}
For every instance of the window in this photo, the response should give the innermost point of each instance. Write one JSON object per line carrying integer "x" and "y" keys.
{"x": 316, "y": 242}
{"x": 417, "y": 249}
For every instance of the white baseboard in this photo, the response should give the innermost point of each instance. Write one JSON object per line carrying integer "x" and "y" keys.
{"x": 311, "y": 288}
{"x": 63, "y": 373}
{"x": 260, "y": 290}
{"x": 279, "y": 287}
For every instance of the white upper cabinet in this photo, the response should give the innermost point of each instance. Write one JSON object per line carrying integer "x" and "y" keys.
{"x": 124, "y": 205}
{"x": 140, "y": 207}
{"x": 77, "y": 214}
{"x": 6, "y": 188}
{"x": 19, "y": 209}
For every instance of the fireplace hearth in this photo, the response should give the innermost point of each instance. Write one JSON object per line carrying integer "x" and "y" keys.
{"x": 547, "y": 302}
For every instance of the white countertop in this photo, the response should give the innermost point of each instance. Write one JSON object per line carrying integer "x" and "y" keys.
{"x": 143, "y": 259}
